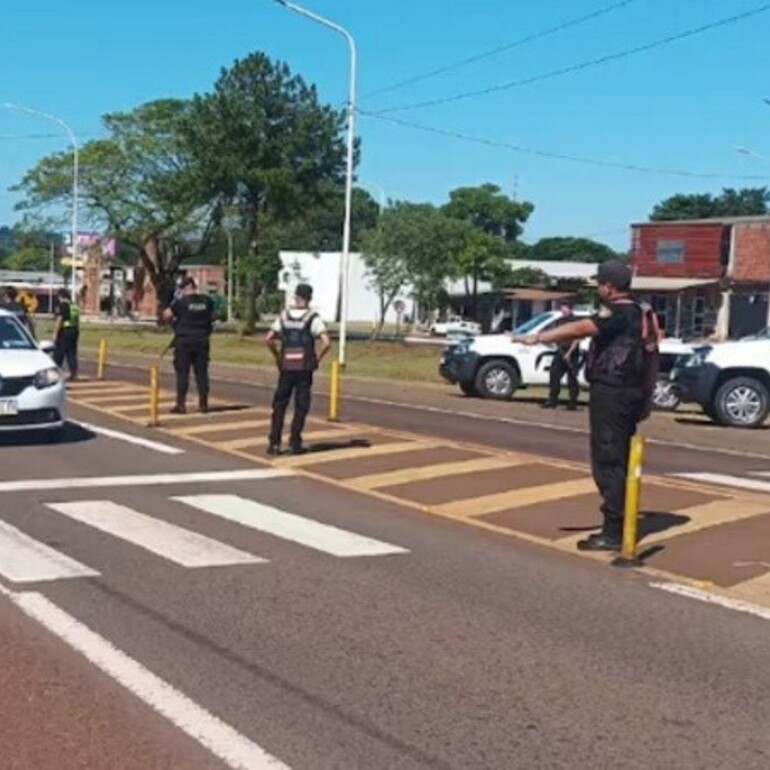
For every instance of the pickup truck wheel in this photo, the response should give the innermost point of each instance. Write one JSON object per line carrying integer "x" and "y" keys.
{"x": 742, "y": 402}
{"x": 497, "y": 379}
{"x": 666, "y": 397}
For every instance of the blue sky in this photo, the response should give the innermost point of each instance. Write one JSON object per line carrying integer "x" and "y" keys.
{"x": 683, "y": 106}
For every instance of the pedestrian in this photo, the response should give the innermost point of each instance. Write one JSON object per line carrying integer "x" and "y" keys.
{"x": 9, "y": 300}
{"x": 66, "y": 333}
{"x": 566, "y": 360}
{"x": 621, "y": 369}
{"x": 299, "y": 341}
{"x": 192, "y": 318}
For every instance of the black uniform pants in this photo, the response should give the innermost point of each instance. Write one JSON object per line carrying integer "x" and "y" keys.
{"x": 614, "y": 413}
{"x": 191, "y": 353}
{"x": 300, "y": 385}
{"x": 559, "y": 367}
{"x": 66, "y": 348}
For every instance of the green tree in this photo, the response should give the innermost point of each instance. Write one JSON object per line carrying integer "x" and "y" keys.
{"x": 571, "y": 250}
{"x": 268, "y": 148}
{"x": 750, "y": 201}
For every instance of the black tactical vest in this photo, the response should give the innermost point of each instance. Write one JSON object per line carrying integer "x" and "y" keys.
{"x": 620, "y": 360}
{"x": 298, "y": 348}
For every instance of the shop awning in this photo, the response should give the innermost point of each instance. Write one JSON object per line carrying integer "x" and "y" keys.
{"x": 535, "y": 295}
{"x": 656, "y": 283}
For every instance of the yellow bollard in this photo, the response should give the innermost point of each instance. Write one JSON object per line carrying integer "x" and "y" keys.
{"x": 102, "y": 365}
{"x": 154, "y": 396}
{"x": 334, "y": 395}
{"x": 628, "y": 556}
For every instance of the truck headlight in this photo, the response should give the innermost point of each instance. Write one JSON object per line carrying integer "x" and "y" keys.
{"x": 47, "y": 378}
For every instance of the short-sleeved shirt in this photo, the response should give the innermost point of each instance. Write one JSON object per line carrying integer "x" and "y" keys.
{"x": 619, "y": 325}
{"x": 317, "y": 326}
{"x": 193, "y": 316}
{"x": 69, "y": 318}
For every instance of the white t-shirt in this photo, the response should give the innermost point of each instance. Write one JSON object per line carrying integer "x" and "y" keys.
{"x": 317, "y": 327}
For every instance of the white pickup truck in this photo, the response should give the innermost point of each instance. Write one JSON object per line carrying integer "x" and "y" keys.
{"x": 492, "y": 366}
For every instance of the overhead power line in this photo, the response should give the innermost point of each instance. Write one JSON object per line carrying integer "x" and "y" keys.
{"x": 583, "y": 65}
{"x": 500, "y": 49}
{"x": 560, "y": 156}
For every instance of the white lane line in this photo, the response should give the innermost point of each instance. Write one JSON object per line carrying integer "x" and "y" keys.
{"x": 222, "y": 740}
{"x": 118, "y": 435}
{"x": 289, "y": 526}
{"x": 26, "y": 560}
{"x": 96, "y": 482}
{"x": 723, "y": 480}
{"x": 189, "y": 549}
{"x": 721, "y": 601}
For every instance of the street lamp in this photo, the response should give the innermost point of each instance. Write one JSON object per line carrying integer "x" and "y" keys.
{"x": 230, "y": 276}
{"x": 349, "y": 170}
{"x": 74, "y": 141}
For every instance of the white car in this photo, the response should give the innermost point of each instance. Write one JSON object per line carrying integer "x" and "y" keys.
{"x": 455, "y": 326}
{"x": 32, "y": 393}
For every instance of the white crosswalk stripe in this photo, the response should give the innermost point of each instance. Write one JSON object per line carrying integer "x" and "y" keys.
{"x": 26, "y": 560}
{"x": 289, "y": 526}
{"x": 753, "y": 482}
{"x": 181, "y": 546}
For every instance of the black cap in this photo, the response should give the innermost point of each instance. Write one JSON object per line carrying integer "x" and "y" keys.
{"x": 304, "y": 291}
{"x": 616, "y": 274}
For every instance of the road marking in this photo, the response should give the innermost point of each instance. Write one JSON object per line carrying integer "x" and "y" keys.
{"x": 96, "y": 482}
{"x": 25, "y": 560}
{"x": 189, "y": 549}
{"x": 124, "y": 409}
{"x": 756, "y": 589}
{"x": 103, "y": 399}
{"x": 233, "y": 748}
{"x": 242, "y": 443}
{"x": 289, "y": 526}
{"x": 709, "y": 598}
{"x": 410, "y": 475}
{"x": 100, "y": 394}
{"x": 354, "y": 453}
{"x": 129, "y": 438}
{"x": 214, "y": 427}
{"x": 724, "y": 480}
{"x": 327, "y": 433}
{"x": 517, "y": 498}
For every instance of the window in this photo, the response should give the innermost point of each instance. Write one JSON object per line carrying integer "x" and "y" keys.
{"x": 13, "y": 336}
{"x": 671, "y": 252}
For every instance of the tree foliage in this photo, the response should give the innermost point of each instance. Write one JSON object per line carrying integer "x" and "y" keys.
{"x": 750, "y": 201}
{"x": 565, "y": 249}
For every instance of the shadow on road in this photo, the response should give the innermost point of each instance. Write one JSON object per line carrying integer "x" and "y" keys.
{"x": 71, "y": 433}
{"x": 331, "y": 446}
{"x": 652, "y": 522}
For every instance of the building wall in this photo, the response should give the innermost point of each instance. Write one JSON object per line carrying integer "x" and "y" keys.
{"x": 752, "y": 253}
{"x": 703, "y": 254}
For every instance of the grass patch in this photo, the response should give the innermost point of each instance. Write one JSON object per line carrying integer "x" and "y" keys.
{"x": 378, "y": 360}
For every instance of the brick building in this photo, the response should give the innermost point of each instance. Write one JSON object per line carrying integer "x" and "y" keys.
{"x": 706, "y": 276}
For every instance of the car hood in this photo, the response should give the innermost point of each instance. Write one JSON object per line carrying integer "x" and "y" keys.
{"x": 23, "y": 363}
{"x": 750, "y": 351}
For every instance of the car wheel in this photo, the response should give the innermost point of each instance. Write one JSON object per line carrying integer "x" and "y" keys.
{"x": 666, "y": 397}
{"x": 469, "y": 389}
{"x": 497, "y": 379}
{"x": 742, "y": 402}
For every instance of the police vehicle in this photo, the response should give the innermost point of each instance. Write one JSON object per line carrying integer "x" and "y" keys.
{"x": 32, "y": 393}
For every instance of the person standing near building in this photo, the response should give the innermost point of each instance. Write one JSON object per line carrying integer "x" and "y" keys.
{"x": 293, "y": 341}
{"x": 566, "y": 360}
{"x": 66, "y": 334}
{"x": 192, "y": 317}
{"x": 621, "y": 370}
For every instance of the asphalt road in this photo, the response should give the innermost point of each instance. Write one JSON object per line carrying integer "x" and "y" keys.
{"x": 395, "y": 640}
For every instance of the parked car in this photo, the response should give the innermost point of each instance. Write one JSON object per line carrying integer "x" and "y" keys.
{"x": 32, "y": 393}
{"x": 456, "y": 325}
{"x": 729, "y": 380}
{"x": 492, "y": 366}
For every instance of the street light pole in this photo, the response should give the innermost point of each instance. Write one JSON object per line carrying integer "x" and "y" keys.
{"x": 75, "y": 174}
{"x": 230, "y": 276}
{"x": 351, "y": 111}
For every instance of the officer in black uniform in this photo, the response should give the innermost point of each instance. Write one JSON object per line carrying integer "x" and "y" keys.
{"x": 621, "y": 387}
{"x": 292, "y": 340}
{"x": 66, "y": 334}
{"x": 10, "y": 301}
{"x": 192, "y": 316}
{"x": 566, "y": 360}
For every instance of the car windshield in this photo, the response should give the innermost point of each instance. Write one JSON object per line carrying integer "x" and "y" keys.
{"x": 533, "y": 323}
{"x": 13, "y": 336}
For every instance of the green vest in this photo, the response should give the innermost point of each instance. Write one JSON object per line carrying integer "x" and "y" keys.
{"x": 74, "y": 319}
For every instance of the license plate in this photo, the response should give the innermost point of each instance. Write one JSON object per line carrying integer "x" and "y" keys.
{"x": 8, "y": 407}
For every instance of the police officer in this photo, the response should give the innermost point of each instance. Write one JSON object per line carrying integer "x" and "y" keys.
{"x": 617, "y": 370}
{"x": 566, "y": 360}
{"x": 66, "y": 333}
{"x": 292, "y": 340}
{"x": 10, "y": 302}
{"x": 192, "y": 317}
